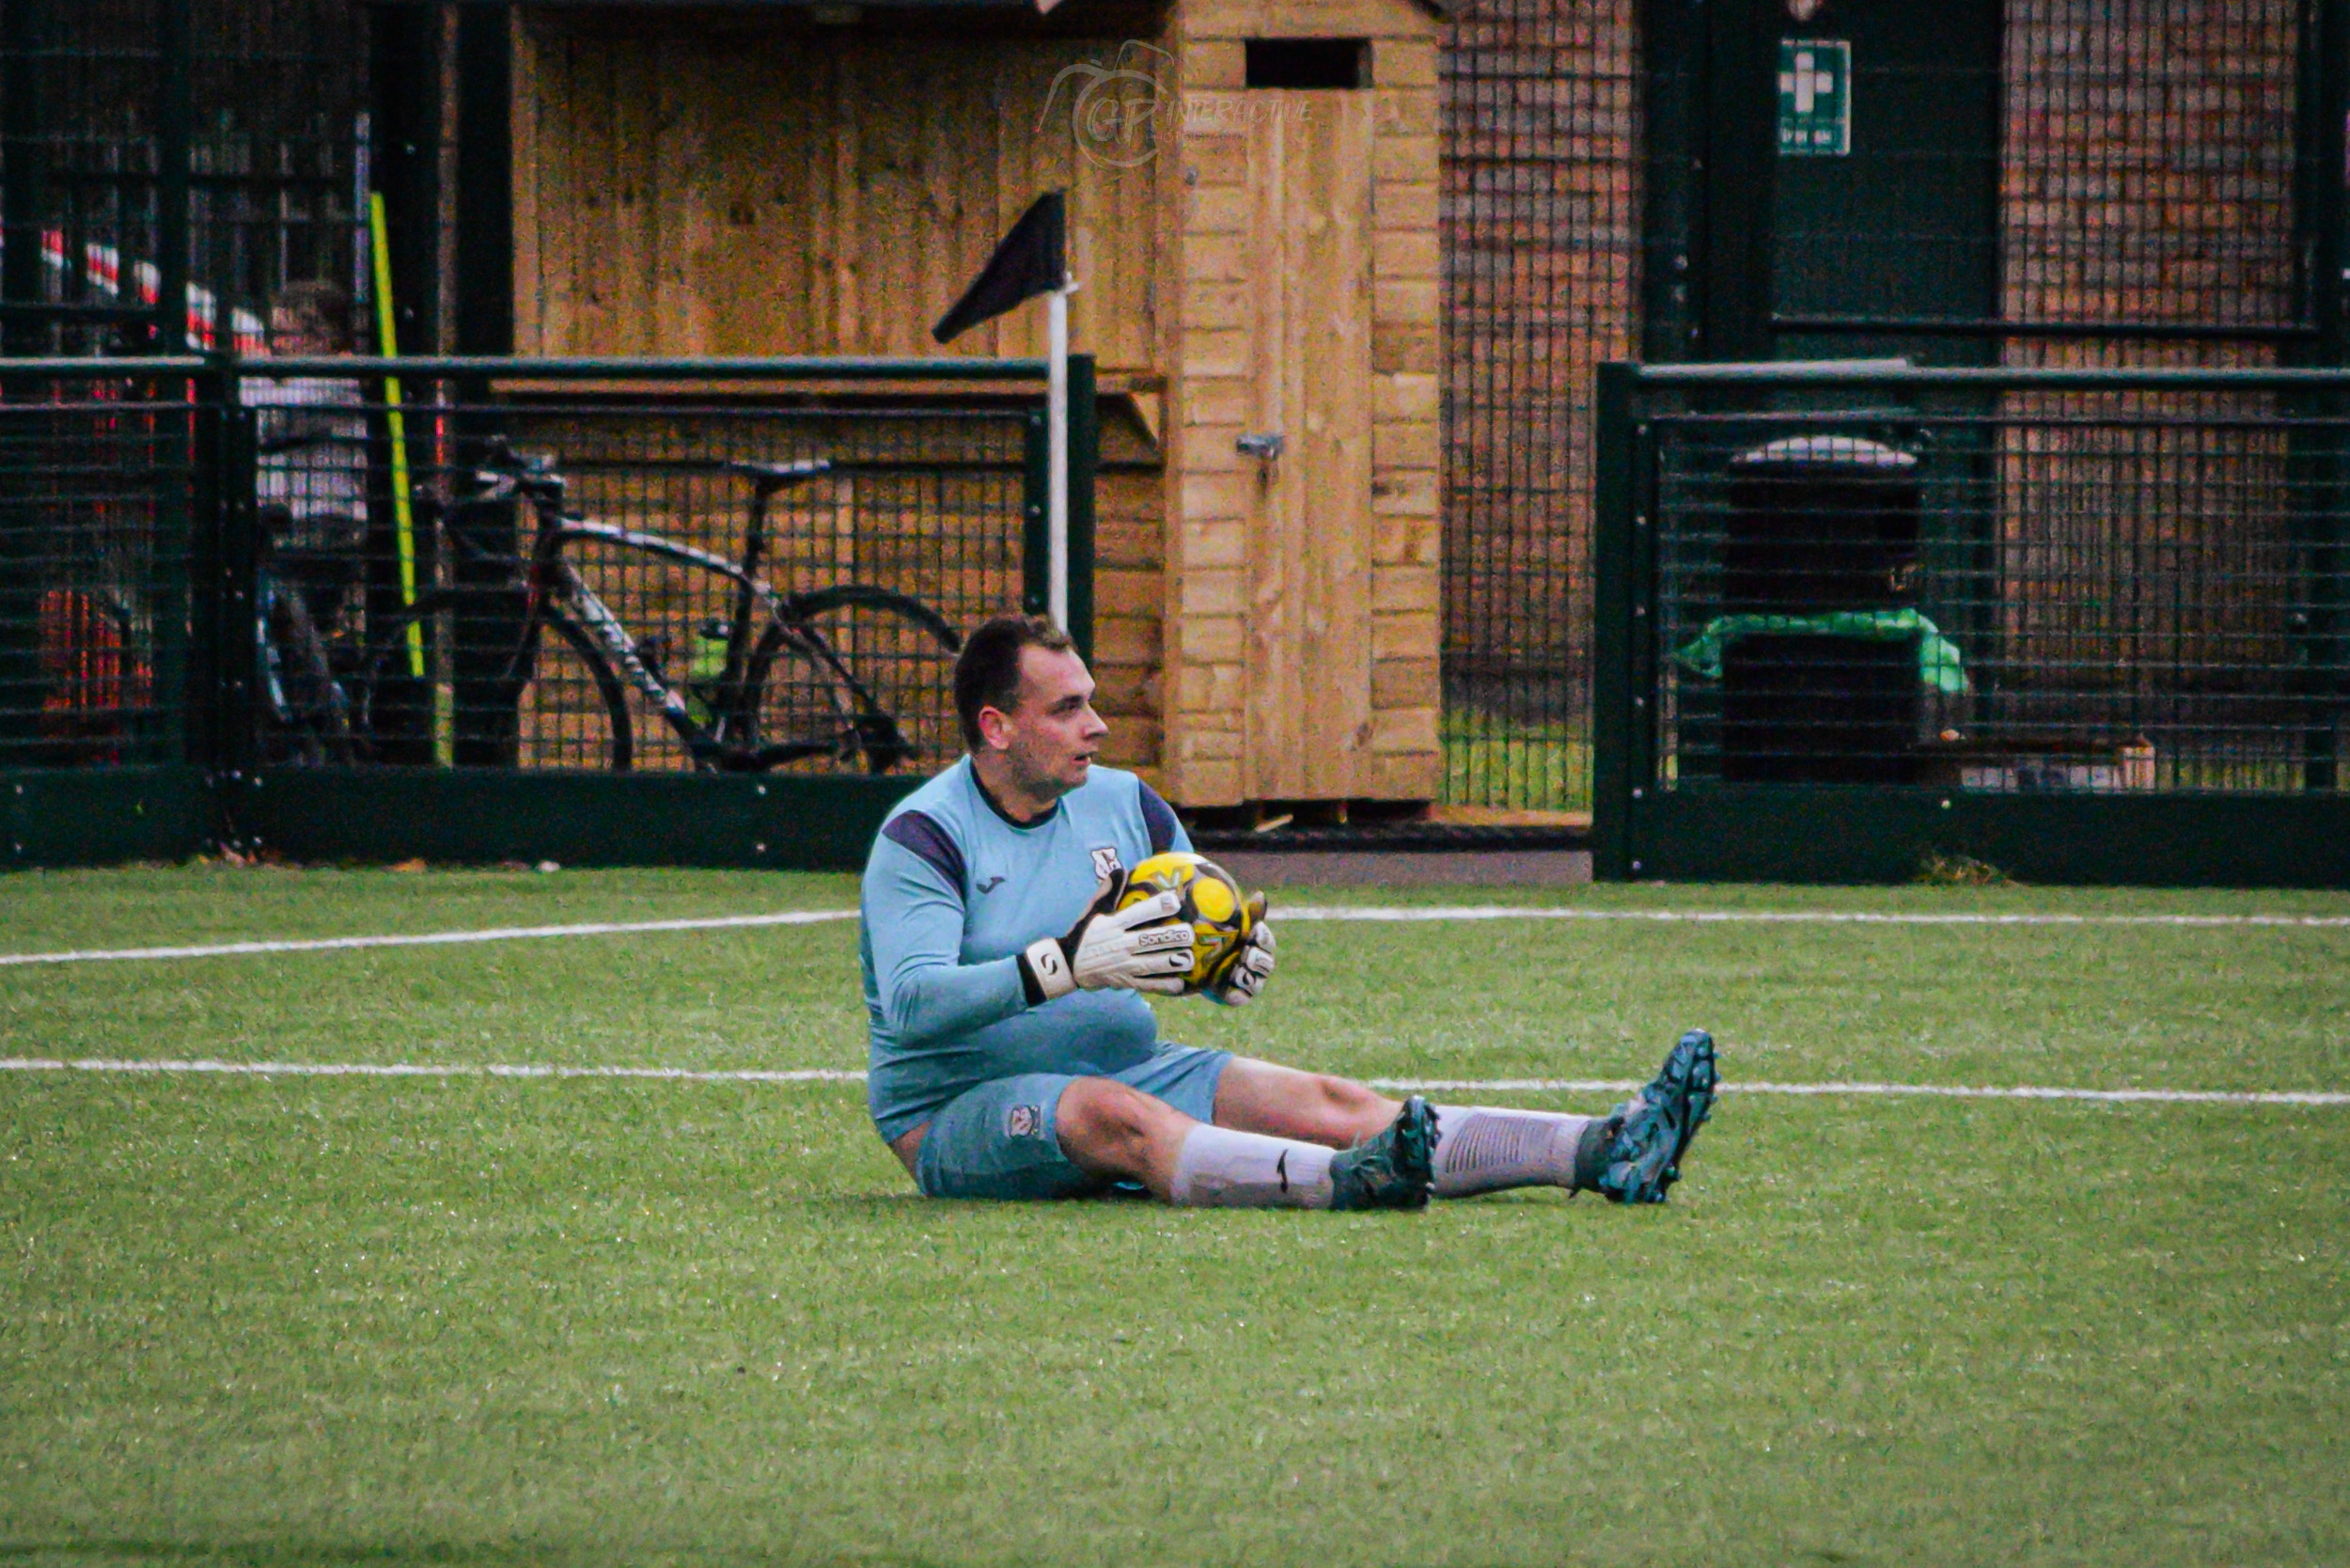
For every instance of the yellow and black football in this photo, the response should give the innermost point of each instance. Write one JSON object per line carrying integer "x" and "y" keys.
{"x": 1214, "y": 907}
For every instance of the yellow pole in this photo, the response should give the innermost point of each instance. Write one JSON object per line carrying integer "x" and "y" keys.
{"x": 387, "y": 341}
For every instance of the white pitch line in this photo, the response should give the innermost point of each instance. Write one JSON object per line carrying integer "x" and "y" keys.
{"x": 1367, "y": 913}
{"x": 434, "y": 938}
{"x": 1946, "y": 1091}
{"x": 424, "y": 1070}
{"x": 1779, "y": 916}
{"x": 1424, "y": 1085}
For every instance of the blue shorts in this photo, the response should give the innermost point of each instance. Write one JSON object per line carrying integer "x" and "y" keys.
{"x": 997, "y": 1140}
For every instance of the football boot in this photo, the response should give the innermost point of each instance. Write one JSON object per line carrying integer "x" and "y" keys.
{"x": 1655, "y": 1126}
{"x": 1393, "y": 1170}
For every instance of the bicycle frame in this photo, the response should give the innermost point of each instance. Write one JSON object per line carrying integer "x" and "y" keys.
{"x": 552, "y": 581}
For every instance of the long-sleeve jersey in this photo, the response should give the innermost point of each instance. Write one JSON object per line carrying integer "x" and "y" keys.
{"x": 313, "y": 465}
{"x": 954, "y": 890}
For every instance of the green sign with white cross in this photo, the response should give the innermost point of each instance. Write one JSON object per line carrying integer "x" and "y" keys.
{"x": 1814, "y": 98}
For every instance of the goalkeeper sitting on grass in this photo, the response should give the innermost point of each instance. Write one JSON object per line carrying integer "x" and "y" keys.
{"x": 1011, "y": 1056}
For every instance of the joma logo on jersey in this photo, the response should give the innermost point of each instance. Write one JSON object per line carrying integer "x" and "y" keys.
{"x": 1104, "y": 860}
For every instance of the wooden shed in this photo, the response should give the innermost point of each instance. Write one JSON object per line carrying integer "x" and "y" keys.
{"x": 1252, "y": 202}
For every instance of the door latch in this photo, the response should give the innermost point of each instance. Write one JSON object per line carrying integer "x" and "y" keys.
{"x": 1265, "y": 446}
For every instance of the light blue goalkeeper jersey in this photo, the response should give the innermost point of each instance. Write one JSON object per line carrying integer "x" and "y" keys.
{"x": 954, "y": 890}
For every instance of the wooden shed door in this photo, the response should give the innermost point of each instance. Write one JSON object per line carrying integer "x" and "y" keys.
{"x": 1309, "y": 723}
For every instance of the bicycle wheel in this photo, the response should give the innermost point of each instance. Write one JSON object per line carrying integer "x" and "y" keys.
{"x": 553, "y": 703}
{"x": 856, "y": 678}
{"x": 572, "y": 712}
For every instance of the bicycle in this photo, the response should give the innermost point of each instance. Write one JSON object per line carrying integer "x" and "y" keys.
{"x": 819, "y": 676}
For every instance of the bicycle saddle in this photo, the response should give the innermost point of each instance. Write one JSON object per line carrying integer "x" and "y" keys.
{"x": 773, "y": 474}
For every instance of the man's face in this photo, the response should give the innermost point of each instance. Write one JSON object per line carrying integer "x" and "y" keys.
{"x": 1049, "y": 737}
{"x": 292, "y": 336}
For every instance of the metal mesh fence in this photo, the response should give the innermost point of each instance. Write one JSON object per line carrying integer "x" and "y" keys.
{"x": 102, "y": 103}
{"x": 616, "y": 581}
{"x": 1540, "y": 240}
{"x": 2057, "y": 182}
{"x": 325, "y": 567}
{"x": 2148, "y": 160}
{"x": 2100, "y": 592}
{"x": 96, "y": 479}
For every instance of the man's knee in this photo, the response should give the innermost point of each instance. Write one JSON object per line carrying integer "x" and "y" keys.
{"x": 1102, "y": 1119}
{"x": 1346, "y": 1111}
{"x": 1347, "y": 1096}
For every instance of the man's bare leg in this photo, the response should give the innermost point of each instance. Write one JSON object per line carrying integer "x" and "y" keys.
{"x": 1478, "y": 1148}
{"x": 1311, "y": 1107}
{"x": 1111, "y": 1130}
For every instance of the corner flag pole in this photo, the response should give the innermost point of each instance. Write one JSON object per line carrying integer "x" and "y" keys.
{"x": 1057, "y": 453}
{"x": 1032, "y": 260}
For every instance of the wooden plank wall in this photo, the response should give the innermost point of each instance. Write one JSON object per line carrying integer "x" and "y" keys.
{"x": 1212, "y": 593}
{"x": 719, "y": 183}
{"x": 707, "y": 184}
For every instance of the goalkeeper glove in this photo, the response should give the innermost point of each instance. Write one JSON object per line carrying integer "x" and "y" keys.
{"x": 1139, "y": 949}
{"x": 1244, "y": 974}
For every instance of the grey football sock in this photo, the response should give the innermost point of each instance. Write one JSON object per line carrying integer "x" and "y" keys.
{"x": 1489, "y": 1149}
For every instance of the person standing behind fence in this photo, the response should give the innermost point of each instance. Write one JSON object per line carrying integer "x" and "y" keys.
{"x": 311, "y": 433}
{"x": 310, "y": 484}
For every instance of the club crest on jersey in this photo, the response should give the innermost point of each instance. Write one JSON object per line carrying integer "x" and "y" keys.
{"x": 1022, "y": 1121}
{"x": 1104, "y": 860}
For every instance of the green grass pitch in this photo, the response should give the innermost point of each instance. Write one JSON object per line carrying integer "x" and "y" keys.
{"x": 263, "y": 1320}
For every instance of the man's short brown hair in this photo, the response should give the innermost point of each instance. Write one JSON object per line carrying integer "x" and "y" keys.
{"x": 987, "y": 674}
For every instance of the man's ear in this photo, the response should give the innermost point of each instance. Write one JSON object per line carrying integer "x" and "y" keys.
{"x": 995, "y": 729}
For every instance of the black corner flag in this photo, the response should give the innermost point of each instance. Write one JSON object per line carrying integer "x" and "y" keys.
{"x": 1031, "y": 261}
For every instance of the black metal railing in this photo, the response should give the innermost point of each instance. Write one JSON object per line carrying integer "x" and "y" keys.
{"x": 753, "y": 567}
{"x": 1975, "y": 583}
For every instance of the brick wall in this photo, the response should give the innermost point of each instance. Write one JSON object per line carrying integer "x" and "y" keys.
{"x": 2147, "y": 177}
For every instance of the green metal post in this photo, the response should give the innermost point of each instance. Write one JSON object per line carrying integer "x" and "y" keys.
{"x": 172, "y": 461}
{"x": 2316, "y": 466}
{"x": 404, "y": 161}
{"x": 24, "y": 177}
{"x": 1738, "y": 162}
{"x": 1085, "y": 462}
{"x": 236, "y": 551}
{"x": 488, "y": 731}
{"x": 198, "y": 691}
{"x": 174, "y": 114}
{"x": 23, "y": 190}
{"x": 1616, "y": 764}
{"x": 1672, "y": 36}
{"x": 1035, "y": 543}
{"x": 485, "y": 180}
